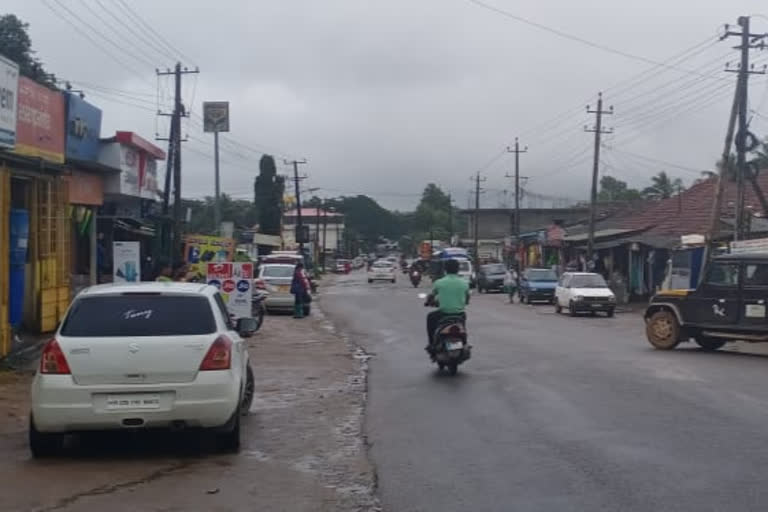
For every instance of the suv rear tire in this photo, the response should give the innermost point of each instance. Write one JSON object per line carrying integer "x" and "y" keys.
{"x": 663, "y": 330}
{"x": 709, "y": 344}
{"x": 41, "y": 444}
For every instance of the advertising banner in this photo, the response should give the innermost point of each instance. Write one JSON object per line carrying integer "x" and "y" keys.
{"x": 83, "y": 129}
{"x": 235, "y": 282}
{"x": 40, "y": 123}
{"x": 199, "y": 250}
{"x": 9, "y": 92}
{"x": 126, "y": 259}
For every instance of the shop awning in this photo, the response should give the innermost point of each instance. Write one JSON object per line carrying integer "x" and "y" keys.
{"x": 135, "y": 227}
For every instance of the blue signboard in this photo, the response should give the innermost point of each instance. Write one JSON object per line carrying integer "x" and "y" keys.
{"x": 83, "y": 129}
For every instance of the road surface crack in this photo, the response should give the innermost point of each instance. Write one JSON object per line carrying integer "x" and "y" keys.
{"x": 112, "y": 488}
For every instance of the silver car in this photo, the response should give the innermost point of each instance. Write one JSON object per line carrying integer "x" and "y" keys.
{"x": 276, "y": 278}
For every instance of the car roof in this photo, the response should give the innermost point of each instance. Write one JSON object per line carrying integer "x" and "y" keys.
{"x": 149, "y": 287}
{"x": 582, "y": 273}
{"x": 265, "y": 265}
{"x": 543, "y": 268}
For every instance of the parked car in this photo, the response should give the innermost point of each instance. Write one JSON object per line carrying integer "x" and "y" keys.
{"x": 537, "y": 284}
{"x": 382, "y": 270}
{"x": 582, "y": 292}
{"x": 276, "y": 279}
{"x": 144, "y": 355}
{"x": 728, "y": 305}
{"x": 491, "y": 277}
{"x": 343, "y": 266}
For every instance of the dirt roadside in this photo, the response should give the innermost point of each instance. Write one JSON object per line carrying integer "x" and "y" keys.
{"x": 303, "y": 448}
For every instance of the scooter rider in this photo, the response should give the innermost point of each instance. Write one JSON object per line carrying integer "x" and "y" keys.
{"x": 451, "y": 293}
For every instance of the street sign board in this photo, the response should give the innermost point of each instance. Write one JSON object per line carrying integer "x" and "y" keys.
{"x": 215, "y": 116}
{"x": 9, "y": 89}
{"x": 235, "y": 282}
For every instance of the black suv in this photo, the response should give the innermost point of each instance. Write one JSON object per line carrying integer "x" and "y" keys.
{"x": 728, "y": 305}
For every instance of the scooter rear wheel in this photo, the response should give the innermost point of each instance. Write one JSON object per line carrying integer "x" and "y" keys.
{"x": 453, "y": 368}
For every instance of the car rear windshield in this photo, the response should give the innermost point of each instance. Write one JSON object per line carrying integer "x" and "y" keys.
{"x": 382, "y": 265}
{"x": 542, "y": 275}
{"x": 281, "y": 271}
{"x": 588, "y": 281}
{"x": 464, "y": 266}
{"x": 495, "y": 269}
{"x": 139, "y": 315}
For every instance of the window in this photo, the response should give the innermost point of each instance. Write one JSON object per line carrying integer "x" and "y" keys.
{"x": 756, "y": 274}
{"x": 494, "y": 269}
{"x": 723, "y": 274}
{"x": 588, "y": 281}
{"x": 136, "y": 314}
{"x": 464, "y": 266}
{"x": 541, "y": 275}
{"x": 277, "y": 271}
{"x": 565, "y": 281}
{"x": 224, "y": 311}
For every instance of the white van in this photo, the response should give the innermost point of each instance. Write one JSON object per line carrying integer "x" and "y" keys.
{"x": 466, "y": 271}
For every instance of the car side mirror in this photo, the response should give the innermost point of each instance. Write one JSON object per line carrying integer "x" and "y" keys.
{"x": 247, "y": 326}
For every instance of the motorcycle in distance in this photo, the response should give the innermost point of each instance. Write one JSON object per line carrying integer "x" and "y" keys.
{"x": 450, "y": 347}
{"x": 258, "y": 306}
{"x": 415, "y": 278}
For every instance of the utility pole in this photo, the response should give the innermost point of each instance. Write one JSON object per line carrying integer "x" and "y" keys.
{"x": 477, "y": 181}
{"x": 517, "y": 152}
{"x": 450, "y": 219}
{"x": 598, "y": 131}
{"x": 748, "y": 41}
{"x": 174, "y": 163}
{"x": 299, "y": 235}
{"x": 325, "y": 231}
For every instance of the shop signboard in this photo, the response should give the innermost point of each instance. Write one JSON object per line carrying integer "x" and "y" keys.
{"x": 235, "y": 282}
{"x": 199, "y": 250}
{"x": 85, "y": 188}
{"x": 126, "y": 262}
{"x": 83, "y": 129}
{"x": 137, "y": 160}
{"x": 40, "y": 122}
{"x": 758, "y": 245}
{"x": 9, "y": 89}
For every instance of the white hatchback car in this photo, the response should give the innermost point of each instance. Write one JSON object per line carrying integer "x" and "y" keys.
{"x": 143, "y": 355}
{"x": 582, "y": 292}
{"x": 382, "y": 270}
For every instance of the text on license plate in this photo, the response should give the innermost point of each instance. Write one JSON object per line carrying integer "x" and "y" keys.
{"x": 284, "y": 288}
{"x": 453, "y": 345}
{"x": 139, "y": 401}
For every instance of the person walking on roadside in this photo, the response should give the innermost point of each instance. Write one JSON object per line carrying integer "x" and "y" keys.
{"x": 299, "y": 289}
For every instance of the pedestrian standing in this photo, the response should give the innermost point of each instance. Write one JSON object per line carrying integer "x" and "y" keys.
{"x": 299, "y": 289}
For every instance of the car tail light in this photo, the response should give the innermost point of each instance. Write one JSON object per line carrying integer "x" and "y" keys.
{"x": 219, "y": 356}
{"x": 260, "y": 284}
{"x": 52, "y": 361}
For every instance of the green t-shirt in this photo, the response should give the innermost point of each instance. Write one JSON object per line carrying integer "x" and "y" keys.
{"x": 451, "y": 292}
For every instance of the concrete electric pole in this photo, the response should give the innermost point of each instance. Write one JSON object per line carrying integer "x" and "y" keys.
{"x": 517, "y": 152}
{"x": 598, "y": 131}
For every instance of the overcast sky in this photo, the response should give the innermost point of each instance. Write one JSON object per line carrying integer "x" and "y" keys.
{"x": 382, "y": 97}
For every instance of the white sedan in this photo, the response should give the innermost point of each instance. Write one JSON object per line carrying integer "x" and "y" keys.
{"x": 582, "y": 292}
{"x": 382, "y": 271}
{"x": 140, "y": 356}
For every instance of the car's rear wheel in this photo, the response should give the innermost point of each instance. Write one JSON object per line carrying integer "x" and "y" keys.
{"x": 229, "y": 440}
{"x": 558, "y": 308}
{"x": 43, "y": 444}
{"x": 663, "y": 330}
{"x": 370, "y": 281}
{"x": 248, "y": 392}
{"x": 609, "y": 313}
{"x": 708, "y": 343}
{"x": 572, "y": 308}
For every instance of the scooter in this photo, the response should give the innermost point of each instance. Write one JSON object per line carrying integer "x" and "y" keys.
{"x": 258, "y": 306}
{"x": 449, "y": 346}
{"x": 415, "y": 278}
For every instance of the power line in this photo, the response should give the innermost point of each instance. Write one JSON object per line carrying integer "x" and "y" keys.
{"x": 653, "y": 159}
{"x": 152, "y": 33}
{"x": 139, "y": 37}
{"x": 95, "y": 43}
{"x": 581, "y": 40}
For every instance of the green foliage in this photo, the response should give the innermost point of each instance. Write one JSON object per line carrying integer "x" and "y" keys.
{"x": 268, "y": 196}
{"x": 16, "y": 45}
{"x": 365, "y": 219}
{"x": 433, "y": 213}
{"x": 612, "y": 189}
{"x": 662, "y": 187}
{"x": 239, "y": 211}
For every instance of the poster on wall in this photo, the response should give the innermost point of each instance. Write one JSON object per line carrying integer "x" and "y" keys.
{"x": 126, "y": 258}
{"x": 199, "y": 250}
{"x": 40, "y": 122}
{"x": 9, "y": 88}
{"x": 235, "y": 282}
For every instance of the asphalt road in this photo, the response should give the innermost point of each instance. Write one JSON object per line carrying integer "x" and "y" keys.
{"x": 553, "y": 412}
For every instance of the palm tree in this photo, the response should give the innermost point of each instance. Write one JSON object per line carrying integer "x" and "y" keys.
{"x": 662, "y": 187}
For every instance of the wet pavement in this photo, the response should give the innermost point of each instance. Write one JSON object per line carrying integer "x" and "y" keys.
{"x": 303, "y": 448}
{"x": 553, "y": 412}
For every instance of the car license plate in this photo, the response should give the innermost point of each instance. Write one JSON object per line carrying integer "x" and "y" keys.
{"x": 597, "y": 305}
{"x": 138, "y": 401}
{"x": 284, "y": 288}
{"x": 454, "y": 345}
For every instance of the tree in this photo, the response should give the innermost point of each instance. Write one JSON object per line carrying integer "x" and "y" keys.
{"x": 433, "y": 213}
{"x": 662, "y": 187}
{"x": 16, "y": 45}
{"x": 268, "y": 196}
{"x": 612, "y": 189}
{"x": 239, "y": 211}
